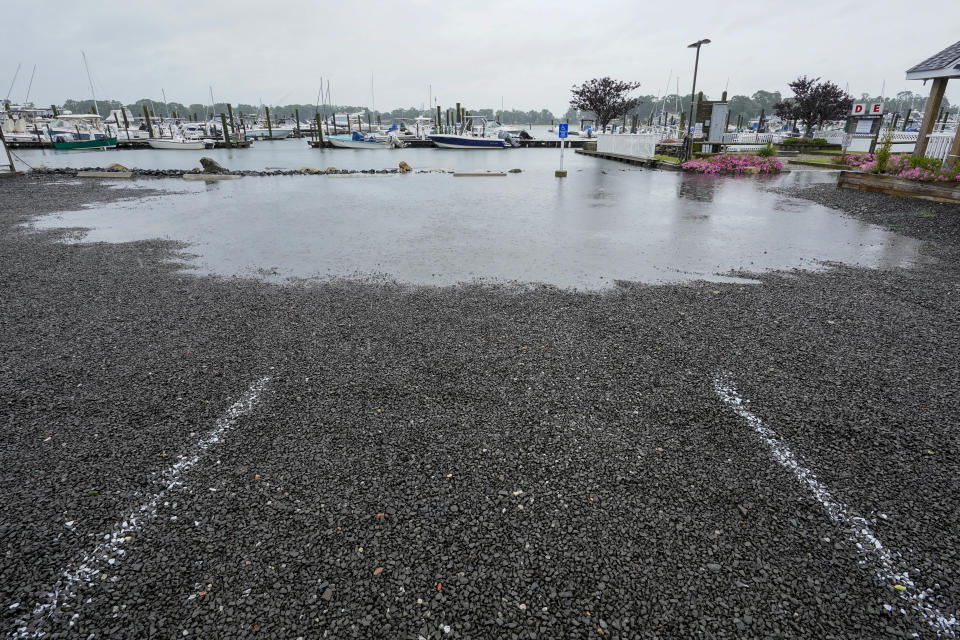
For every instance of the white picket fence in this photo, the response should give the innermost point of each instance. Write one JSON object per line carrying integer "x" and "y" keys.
{"x": 938, "y": 145}
{"x": 634, "y": 145}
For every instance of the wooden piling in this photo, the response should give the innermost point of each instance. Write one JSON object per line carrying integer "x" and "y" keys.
{"x": 146, "y": 115}
{"x": 226, "y": 134}
{"x": 438, "y": 119}
{"x": 297, "y": 113}
{"x": 459, "y": 118}
{"x": 230, "y": 111}
{"x": 56, "y": 112}
{"x": 320, "y": 130}
{"x": 269, "y": 126}
{"x": 6, "y": 147}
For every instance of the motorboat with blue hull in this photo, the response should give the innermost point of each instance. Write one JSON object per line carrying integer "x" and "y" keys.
{"x": 472, "y": 134}
{"x": 451, "y": 141}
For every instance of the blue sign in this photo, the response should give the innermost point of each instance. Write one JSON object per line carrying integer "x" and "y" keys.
{"x": 562, "y": 130}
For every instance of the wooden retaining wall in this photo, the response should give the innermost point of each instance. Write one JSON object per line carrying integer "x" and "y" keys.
{"x": 936, "y": 191}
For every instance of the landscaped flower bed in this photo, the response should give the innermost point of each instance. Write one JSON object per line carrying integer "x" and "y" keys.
{"x": 854, "y": 159}
{"x": 734, "y": 164}
{"x": 911, "y": 168}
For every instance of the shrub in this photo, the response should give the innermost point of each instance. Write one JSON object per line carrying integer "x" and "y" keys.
{"x": 790, "y": 141}
{"x": 733, "y": 164}
{"x": 819, "y": 141}
{"x": 767, "y": 152}
{"x": 883, "y": 153}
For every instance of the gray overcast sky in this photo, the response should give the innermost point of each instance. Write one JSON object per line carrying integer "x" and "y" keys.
{"x": 530, "y": 53}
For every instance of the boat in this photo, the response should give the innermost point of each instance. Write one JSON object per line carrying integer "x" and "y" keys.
{"x": 80, "y": 131}
{"x": 180, "y": 144}
{"x": 263, "y": 132}
{"x": 358, "y": 140}
{"x": 60, "y": 142}
{"x": 472, "y": 135}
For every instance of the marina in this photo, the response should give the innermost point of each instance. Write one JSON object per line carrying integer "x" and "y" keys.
{"x": 517, "y": 321}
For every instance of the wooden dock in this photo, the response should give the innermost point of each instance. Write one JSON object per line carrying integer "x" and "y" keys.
{"x": 633, "y": 160}
{"x": 129, "y": 144}
{"x": 524, "y": 144}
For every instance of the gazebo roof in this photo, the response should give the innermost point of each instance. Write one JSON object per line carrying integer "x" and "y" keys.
{"x": 945, "y": 64}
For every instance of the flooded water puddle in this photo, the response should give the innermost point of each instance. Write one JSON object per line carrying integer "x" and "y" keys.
{"x": 600, "y": 225}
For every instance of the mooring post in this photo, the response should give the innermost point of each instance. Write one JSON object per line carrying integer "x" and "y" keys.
{"x": 146, "y": 115}
{"x": 297, "y": 113}
{"x": 126, "y": 123}
{"x": 226, "y": 134}
{"x": 3, "y": 141}
{"x": 269, "y": 126}
{"x": 459, "y": 119}
{"x": 319, "y": 131}
{"x": 55, "y": 111}
{"x": 438, "y": 119}
{"x": 230, "y": 111}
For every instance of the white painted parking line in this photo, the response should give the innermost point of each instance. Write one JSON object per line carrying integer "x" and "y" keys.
{"x": 89, "y": 564}
{"x": 887, "y": 565}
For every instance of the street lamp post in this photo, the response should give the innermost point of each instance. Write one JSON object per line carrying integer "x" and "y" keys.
{"x": 693, "y": 93}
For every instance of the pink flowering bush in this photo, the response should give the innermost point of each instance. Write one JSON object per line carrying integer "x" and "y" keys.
{"x": 855, "y": 159}
{"x": 911, "y": 168}
{"x": 733, "y": 164}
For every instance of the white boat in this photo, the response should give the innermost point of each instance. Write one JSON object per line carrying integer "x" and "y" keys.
{"x": 358, "y": 140}
{"x": 268, "y": 133}
{"x": 180, "y": 144}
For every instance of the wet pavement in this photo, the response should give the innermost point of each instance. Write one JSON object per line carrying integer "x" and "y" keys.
{"x": 601, "y": 225}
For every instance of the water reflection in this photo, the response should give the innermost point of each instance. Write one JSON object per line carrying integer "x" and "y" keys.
{"x": 696, "y": 187}
{"x": 586, "y": 231}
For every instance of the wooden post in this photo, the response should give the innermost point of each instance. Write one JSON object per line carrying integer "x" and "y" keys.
{"x": 146, "y": 115}
{"x": 459, "y": 119}
{"x": 319, "y": 131}
{"x": 226, "y": 134}
{"x": 369, "y": 122}
{"x": 55, "y": 111}
{"x": 438, "y": 119}
{"x": 929, "y": 113}
{"x": 3, "y": 141}
{"x": 126, "y": 123}
{"x": 297, "y": 114}
{"x": 269, "y": 126}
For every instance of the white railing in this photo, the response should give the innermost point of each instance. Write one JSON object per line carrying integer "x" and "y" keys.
{"x": 635, "y": 145}
{"x": 938, "y": 145}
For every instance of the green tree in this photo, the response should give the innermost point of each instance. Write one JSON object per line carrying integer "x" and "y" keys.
{"x": 605, "y": 97}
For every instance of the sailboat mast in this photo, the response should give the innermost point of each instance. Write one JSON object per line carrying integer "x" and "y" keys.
{"x": 96, "y": 110}
{"x": 13, "y": 82}
{"x": 30, "y": 86}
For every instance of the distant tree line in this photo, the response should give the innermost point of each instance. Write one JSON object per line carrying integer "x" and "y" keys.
{"x": 748, "y": 107}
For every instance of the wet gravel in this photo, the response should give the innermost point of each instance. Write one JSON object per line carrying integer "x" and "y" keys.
{"x": 474, "y": 461}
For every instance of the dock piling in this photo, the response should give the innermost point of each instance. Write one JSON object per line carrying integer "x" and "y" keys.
{"x": 226, "y": 134}
{"x": 320, "y": 130}
{"x": 146, "y": 116}
{"x": 269, "y": 126}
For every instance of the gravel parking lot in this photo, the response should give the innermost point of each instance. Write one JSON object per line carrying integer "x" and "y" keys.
{"x": 197, "y": 456}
